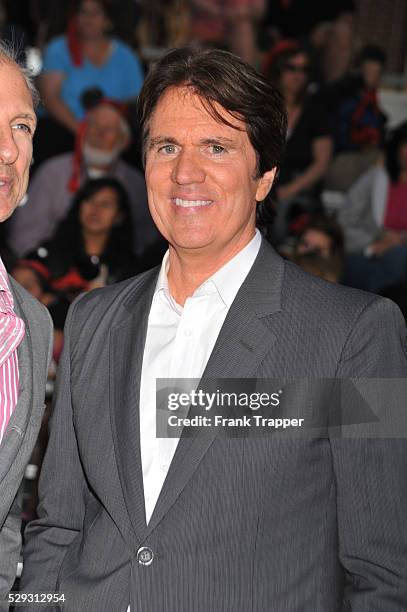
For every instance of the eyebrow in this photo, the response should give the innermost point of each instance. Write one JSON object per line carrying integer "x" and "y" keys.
{"x": 160, "y": 140}
{"x": 29, "y": 116}
{"x": 205, "y": 141}
{"x": 218, "y": 140}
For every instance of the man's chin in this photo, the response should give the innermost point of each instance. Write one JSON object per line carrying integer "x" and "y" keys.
{"x": 6, "y": 210}
{"x": 193, "y": 245}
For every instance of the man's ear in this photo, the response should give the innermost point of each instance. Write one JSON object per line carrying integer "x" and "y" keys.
{"x": 264, "y": 184}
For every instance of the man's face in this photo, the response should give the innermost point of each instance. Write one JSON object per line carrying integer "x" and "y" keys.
{"x": 103, "y": 129}
{"x": 17, "y": 125}
{"x": 200, "y": 177}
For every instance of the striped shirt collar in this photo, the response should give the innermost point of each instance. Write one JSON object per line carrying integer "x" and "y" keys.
{"x": 6, "y": 297}
{"x": 12, "y": 328}
{"x": 12, "y": 331}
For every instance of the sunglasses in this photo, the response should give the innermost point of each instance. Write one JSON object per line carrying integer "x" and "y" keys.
{"x": 295, "y": 68}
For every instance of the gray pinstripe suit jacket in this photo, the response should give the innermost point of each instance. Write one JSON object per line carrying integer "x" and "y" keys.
{"x": 17, "y": 444}
{"x": 241, "y": 525}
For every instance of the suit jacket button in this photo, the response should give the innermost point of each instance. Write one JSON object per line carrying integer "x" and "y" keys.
{"x": 145, "y": 555}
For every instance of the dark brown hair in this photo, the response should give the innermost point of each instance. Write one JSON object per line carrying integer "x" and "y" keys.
{"x": 328, "y": 226}
{"x": 329, "y": 268}
{"x": 105, "y": 5}
{"x": 279, "y": 63}
{"x": 219, "y": 77}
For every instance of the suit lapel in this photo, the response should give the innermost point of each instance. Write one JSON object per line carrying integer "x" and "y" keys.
{"x": 20, "y": 418}
{"x": 243, "y": 342}
{"x": 127, "y": 340}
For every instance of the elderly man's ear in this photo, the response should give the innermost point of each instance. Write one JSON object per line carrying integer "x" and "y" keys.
{"x": 264, "y": 184}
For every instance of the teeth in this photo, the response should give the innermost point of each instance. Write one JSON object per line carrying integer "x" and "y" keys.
{"x": 2, "y": 183}
{"x": 191, "y": 203}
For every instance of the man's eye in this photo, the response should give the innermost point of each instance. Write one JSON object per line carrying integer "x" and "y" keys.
{"x": 167, "y": 149}
{"x": 217, "y": 149}
{"x": 24, "y": 127}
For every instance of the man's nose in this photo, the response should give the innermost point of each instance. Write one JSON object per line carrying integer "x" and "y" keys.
{"x": 8, "y": 147}
{"x": 188, "y": 168}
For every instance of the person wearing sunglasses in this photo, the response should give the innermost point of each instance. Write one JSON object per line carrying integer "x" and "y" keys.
{"x": 309, "y": 141}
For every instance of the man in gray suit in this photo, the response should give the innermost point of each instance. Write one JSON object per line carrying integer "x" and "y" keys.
{"x": 211, "y": 523}
{"x": 25, "y": 326}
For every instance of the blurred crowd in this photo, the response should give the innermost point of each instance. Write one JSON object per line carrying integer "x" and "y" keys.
{"x": 339, "y": 205}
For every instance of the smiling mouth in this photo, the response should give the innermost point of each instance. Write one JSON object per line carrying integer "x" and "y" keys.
{"x": 5, "y": 188}
{"x": 191, "y": 203}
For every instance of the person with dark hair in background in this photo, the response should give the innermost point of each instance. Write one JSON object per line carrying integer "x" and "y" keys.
{"x": 321, "y": 238}
{"x": 85, "y": 58}
{"x": 322, "y": 235}
{"x": 209, "y": 522}
{"x": 93, "y": 246}
{"x": 359, "y": 122}
{"x": 374, "y": 221}
{"x": 309, "y": 142}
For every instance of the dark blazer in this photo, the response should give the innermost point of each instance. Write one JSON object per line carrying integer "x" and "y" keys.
{"x": 34, "y": 354}
{"x": 241, "y": 525}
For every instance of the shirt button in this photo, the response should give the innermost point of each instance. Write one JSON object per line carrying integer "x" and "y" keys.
{"x": 145, "y": 555}
{"x": 188, "y": 332}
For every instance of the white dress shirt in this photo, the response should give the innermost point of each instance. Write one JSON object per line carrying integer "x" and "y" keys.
{"x": 178, "y": 345}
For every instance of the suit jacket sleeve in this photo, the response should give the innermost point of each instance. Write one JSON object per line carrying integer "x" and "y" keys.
{"x": 62, "y": 489}
{"x": 10, "y": 543}
{"x": 10, "y": 532}
{"x": 371, "y": 472}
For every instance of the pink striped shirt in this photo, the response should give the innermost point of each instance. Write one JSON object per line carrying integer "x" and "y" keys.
{"x": 12, "y": 331}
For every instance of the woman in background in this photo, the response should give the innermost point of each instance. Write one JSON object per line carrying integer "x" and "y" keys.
{"x": 92, "y": 246}
{"x": 309, "y": 141}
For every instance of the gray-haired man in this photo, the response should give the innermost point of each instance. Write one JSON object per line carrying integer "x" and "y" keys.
{"x": 25, "y": 327}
